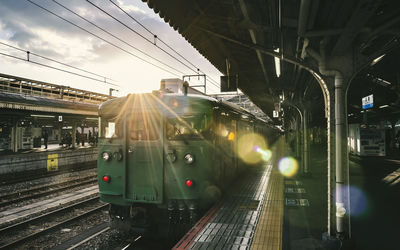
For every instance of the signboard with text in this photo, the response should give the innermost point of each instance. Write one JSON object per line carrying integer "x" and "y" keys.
{"x": 367, "y": 102}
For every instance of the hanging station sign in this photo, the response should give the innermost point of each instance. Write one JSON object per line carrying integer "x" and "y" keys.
{"x": 367, "y": 102}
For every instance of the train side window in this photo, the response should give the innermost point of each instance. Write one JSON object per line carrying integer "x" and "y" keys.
{"x": 111, "y": 127}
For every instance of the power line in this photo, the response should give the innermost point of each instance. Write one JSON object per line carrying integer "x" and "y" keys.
{"x": 63, "y": 70}
{"x": 52, "y": 60}
{"x": 119, "y": 39}
{"x": 155, "y": 36}
{"x": 104, "y": 40}
{"x": 137, "y": 33}
{"x": 114, "y": 45}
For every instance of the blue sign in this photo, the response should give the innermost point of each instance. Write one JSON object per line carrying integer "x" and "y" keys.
{"x": 367, "y": 102}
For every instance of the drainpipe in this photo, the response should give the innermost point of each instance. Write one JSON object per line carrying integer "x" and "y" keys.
{"x": 303, "y": 15}
{"x": 340, "y": 129}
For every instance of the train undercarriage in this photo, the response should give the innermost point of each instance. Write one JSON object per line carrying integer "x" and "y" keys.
{"x": 170, "y": 221}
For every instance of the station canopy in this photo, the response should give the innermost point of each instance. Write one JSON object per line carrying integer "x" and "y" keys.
{"x": 250, "y": 40}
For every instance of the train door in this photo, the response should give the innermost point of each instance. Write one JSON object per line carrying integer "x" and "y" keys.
{"x": 144, "y": 170}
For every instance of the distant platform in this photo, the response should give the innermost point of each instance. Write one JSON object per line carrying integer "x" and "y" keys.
{"x": 54, "y": 158}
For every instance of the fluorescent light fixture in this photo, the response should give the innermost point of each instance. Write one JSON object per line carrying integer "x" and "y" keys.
{"x": 91, "y": 118}
{"x": 383, "y": 106}
{"x": 44, "y": 116}
{"x": 277, "y": 64}
{"x": 383, "y": 81}
{"x": 376, "y": 60}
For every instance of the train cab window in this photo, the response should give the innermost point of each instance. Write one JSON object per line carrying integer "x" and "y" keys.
{"x": 187, "y": 127}
{"x": 144, "y": 127}
{"x": 111, "y": 127}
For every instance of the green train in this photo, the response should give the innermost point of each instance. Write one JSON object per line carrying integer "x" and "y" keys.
{"x": 168, "y": 156}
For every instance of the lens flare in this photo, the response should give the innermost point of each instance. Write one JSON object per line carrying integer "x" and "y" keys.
{"x": 265, "y": 154}
{"x": 288, "y": 166}
{"x": 359, "y": 201}
{"x": 250, "y": 148}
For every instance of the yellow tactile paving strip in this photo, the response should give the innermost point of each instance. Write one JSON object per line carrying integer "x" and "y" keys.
{"x": 268, "y": 234}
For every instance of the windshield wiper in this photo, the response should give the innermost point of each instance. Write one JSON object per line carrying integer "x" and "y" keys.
{"x": 181, "y": 136}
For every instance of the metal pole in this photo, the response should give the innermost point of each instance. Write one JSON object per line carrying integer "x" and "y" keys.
{"x": 340, "y": 138}
{"x": 340, "y": 129}
{"x": 305, "y": 141}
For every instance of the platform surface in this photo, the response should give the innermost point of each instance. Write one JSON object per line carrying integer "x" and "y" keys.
{"x": 249, "y": 217}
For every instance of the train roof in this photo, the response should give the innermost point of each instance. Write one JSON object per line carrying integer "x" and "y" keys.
{"x": 113, "y": 105}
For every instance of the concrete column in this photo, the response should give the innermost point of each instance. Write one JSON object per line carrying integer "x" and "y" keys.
{"x": 82, "y": 137}
{"x": 73, "y": 135}
{"x": 14, "y": 136}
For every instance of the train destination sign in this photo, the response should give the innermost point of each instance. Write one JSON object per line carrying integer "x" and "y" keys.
{"x": 367, "y": 102}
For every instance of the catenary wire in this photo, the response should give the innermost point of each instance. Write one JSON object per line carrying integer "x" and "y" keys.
{"x": 104, "y": 40}
{"x": 52, "y": 67}
{"x": 158, "y": 38}
{"x": 45, "y": 9}
{"x": 137, "y": 33}
{"x": 52, "y": 60}
{"x": 119, "y": 39}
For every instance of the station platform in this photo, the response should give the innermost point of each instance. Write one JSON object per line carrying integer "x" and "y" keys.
{"x": 250, "y": 216}
{"x": 41, "y": 160}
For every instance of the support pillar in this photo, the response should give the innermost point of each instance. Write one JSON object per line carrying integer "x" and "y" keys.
{"x": 331, "y": 164}
{"x": 73, "y": 134}
{"x": 341, "y": 153}
{"x": 14, "y": 136}
{"x": 306, "y": 146}
{"x": 340, "y": 129}
{"x": 298, "y": 142}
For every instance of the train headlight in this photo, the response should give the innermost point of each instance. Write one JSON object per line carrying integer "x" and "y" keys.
{"x": 106, "y": 156}
{"x": 118, "y": 155}
{"x": 189, "y": 158}
{"x": 171, "y": 156}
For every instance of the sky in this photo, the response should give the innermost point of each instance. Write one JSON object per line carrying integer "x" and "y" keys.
{"x": 30, "y": 28}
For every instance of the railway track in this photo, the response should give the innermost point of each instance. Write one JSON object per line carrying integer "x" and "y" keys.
{"x": 51, "y": 218}
{"x": 9, "y": 179}
{"x": 44, "y": 190}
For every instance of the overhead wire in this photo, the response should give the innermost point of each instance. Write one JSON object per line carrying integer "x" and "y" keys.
{"x": 114, "y": 45}
{"x": 104, "y": 40}
{"x": 137, "y": 33}
{"x": 52, "y": 67}
{"x": 53, "y": 60}
{"x": 159, "y": 39}
{"x": 119, "y": 39}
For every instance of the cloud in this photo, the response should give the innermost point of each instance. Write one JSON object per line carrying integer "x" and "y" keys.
{"x": 130, "y": 7}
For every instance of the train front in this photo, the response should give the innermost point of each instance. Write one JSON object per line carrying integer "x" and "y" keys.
{"x": 155, "y": 157}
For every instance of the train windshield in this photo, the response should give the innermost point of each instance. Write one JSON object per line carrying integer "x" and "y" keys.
{"x": 187, "y": 127}
{"x": 111, "y": 127}
{"x": 144, "y": 127}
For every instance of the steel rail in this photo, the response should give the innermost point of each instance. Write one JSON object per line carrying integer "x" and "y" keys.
{"x": 24, "y": 239}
